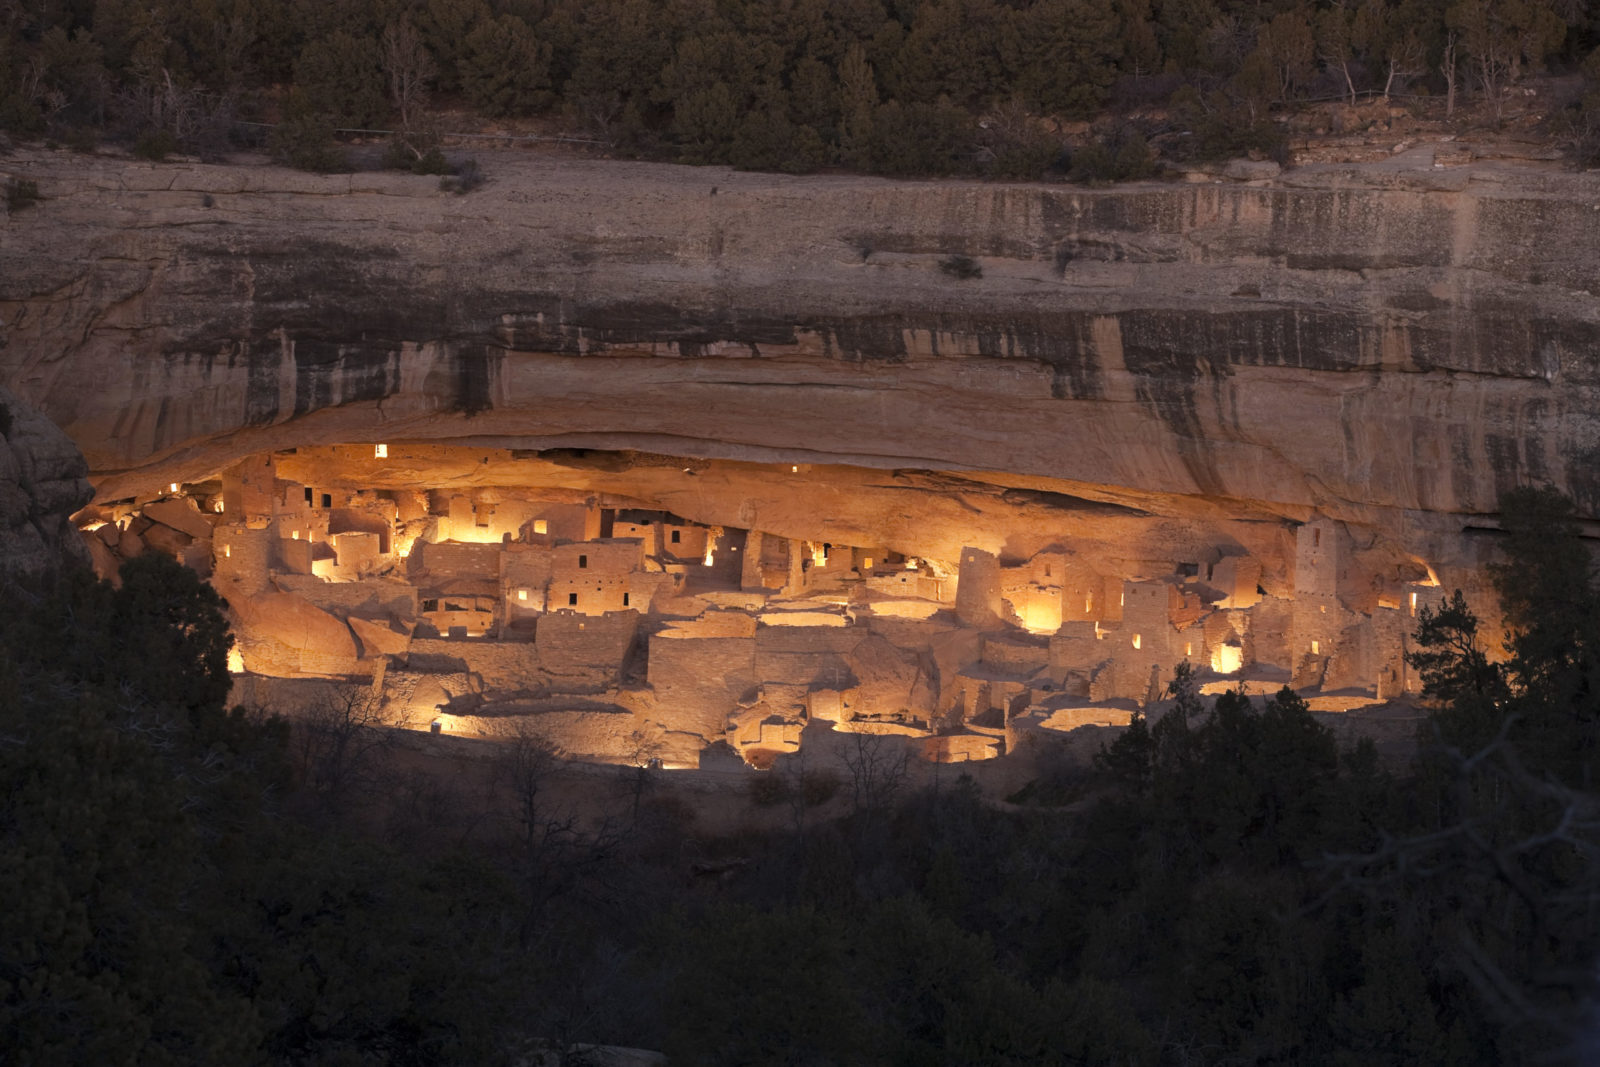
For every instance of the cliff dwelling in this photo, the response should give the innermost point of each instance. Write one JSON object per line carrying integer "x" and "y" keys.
{"x": 708, "y": 486}
{"x": 476, "y": 586}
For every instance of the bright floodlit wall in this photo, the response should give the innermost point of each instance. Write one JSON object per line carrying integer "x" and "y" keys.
{"x": 499, "y": 665}
{"x": 446, "y": 560}
{"x": 525, "y": 578}
{"x": 698, "y": 681}
{"x": 585, "y": 644}
{"x": 594, "y": 577}
{"x": 978, "y": 587}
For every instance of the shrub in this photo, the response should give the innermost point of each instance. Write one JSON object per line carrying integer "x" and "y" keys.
{"x": 21, "y": 193}
{"x": 1221, "y": 128}
{"x": 431, "y": 162}
{"x": 396, "y": 156}
{"x": 1120, "y": 156}
{"x": 467, "y": 177}
{"x": 155, "y": 145}
{"x": 962, "y": 268}
{"x": 768, "y": 789}
{"x": 20, "y": 115}
{"x": 82, "y": 139}
{"x": 921, "y": 139}
{"x": 307, "y": 143}
{"x": 818, "y": 787}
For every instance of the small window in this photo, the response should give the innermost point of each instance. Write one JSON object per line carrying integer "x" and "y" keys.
{"x": 430, "y": 605}
{"x": 310, "y": 498}
{"x": 624, "y": 599}
{"x": 1316, "y": 538}
{"x": 677, "y": 536}
{"x": 540, "y": 526}
{"x": 583, "y": 562}
{"x": 572, "y": 600}
{"x": 227, "y": 550}
{"x": 380, "y": 451}
{"x": 327, "y": 500}
{"x": 522, "y": 594}
{"x": 1047, "y": 570}
{"x": 1316, "y": 648}
{"x": 1136, "y": 640}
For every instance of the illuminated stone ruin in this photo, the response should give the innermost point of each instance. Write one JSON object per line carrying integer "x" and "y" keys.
{"x": 633, "y": 632}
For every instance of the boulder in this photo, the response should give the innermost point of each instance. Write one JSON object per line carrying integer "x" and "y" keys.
{"x": 180, "y": 513}
{"x": 42, "y": 483}
{"x": 379, "y": 637}
{"x": 166, "y": 539}
{"x": 282, "y": 634}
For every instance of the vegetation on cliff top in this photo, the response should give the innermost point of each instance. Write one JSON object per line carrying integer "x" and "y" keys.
{"x": 187, "y": 884}
{"x": 904, "y": 87}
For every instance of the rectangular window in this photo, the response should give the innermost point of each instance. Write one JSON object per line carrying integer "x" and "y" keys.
{"x": 1316, "y": 648}
{"x": 522, "y": 594}
{"x": 583, "y": 562}
{"x": 572, "y": 600}
{"x": 327, "y": 500}
{"x": 380, "y": 451}
{"x": 677, "y": 536}
{"x": 1135, "y": 640}
{"x": 624, "y": 599}
{"x": 310, "y": 499}
{"x": 430, "y": 605}
{"x": 540, "y": 526}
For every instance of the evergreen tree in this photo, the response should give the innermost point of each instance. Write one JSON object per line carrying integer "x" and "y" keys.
{"x": 504, "y": 68}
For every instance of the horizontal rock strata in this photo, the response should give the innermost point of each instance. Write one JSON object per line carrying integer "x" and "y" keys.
{"x": 1388, "y": 347}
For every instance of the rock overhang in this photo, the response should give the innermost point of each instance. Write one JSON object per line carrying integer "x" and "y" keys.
{"x": 1392, "y": 349}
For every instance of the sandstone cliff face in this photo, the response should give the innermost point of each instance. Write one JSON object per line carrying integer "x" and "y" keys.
{"x": 1389, "y": 347}
{"x": 42, "y": 482}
